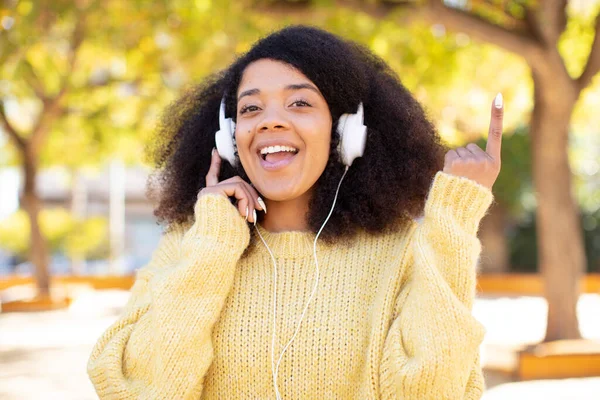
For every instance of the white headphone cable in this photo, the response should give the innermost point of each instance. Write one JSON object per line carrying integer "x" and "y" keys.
{"x": 276, "y": 370}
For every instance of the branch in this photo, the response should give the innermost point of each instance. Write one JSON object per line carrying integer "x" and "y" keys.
{"x": 500, "y": 9}
{"x": 559, "y": 16}
{"x": 10, "y": 130}
{"x": 381, "y": 9}
{"x": 521, "y": 43}
{"x": 53, "y": 107}
{"x": 34, "y": 81}
{"x": 282, "y": 9}
{"x": 76, "y": 40}
{"x": 307, "y": 11}
{"x": 547, "y": 21}
{"x": 593, "y": 62}
{"x": 531, "y": 21}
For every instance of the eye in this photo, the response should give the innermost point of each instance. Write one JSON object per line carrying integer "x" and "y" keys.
{"x": 248, "y": 108}
{"x": 302, "y": 103}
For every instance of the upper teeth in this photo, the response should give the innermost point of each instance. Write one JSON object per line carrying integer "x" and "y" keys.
{"x": 277, "y": 149}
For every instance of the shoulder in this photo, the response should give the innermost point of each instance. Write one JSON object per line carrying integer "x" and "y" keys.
{"x": 172, "y": 237}
{"x": 166, "y": 252}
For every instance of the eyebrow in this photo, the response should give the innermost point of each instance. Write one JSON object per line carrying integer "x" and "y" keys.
{"x": 296, "y": 86}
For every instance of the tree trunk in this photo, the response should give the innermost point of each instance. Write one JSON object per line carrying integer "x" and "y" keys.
{"x": 559, "y": 235}
{"x": 38, "y": 249}
{"x": 495, "y": 255}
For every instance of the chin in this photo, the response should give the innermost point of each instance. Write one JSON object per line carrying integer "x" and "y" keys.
{"x": 285, "y": 183}
{"x": 284, "y": 192}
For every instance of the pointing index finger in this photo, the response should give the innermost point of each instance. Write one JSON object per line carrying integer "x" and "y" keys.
{"x": 494, "y": 142}
{"x": 212, "y": 177}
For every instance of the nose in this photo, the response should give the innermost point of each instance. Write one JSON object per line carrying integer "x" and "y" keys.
{"x": 272, "y": 120}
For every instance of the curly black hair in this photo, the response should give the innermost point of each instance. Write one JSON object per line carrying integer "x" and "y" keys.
{"x": 383, "y": 190}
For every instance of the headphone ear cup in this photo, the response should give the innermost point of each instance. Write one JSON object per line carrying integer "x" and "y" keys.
{"x": 225, "y": 145}
{"x": 353, "y": 136}
{"x": 341, "y": 132}
{"x": 225, "y": 136}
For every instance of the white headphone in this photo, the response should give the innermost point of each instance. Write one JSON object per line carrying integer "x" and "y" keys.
{"x": 225, "y": 136}
{"x": 353, "y": 137}
{"x": 351, "y": 128}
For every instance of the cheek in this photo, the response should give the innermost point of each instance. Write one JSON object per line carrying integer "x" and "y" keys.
{"x": 318, "y": 138}
{"x": 320, "y": 146}
{"x": 243, "y": 137}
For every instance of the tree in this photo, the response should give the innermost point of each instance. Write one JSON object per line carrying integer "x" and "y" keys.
{"x": 85, "y": 80}
{"x": 29, "y": 146}
{"x": 531, "y": 30}
{"x": 82, "y": 85}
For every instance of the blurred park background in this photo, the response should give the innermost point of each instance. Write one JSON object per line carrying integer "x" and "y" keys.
{"x": 83, "y": 82}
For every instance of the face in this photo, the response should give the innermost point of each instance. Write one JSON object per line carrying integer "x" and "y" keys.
{"x": 283, "y": 130}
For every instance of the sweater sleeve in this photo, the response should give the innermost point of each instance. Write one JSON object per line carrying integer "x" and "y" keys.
{"x": 431, "y": 350}
{"x": 160, "y": 347}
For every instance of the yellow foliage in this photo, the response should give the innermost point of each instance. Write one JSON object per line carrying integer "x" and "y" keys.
{"x": 64, "y": 233}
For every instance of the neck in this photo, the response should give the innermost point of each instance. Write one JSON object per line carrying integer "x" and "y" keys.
{"x": 289, "y": 215}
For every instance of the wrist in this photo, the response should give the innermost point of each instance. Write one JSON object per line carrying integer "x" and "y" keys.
{"x": 216, "y": 217}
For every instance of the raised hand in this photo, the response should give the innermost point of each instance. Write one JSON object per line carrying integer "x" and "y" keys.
{"x": 471, "y": 161}
{"x": 247, "y": 198}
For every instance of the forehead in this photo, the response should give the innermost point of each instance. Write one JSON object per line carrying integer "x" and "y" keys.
{"x": 270, "y": 75}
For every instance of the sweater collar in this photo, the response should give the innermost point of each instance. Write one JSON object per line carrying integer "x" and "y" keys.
{"x": 287, "y": 244}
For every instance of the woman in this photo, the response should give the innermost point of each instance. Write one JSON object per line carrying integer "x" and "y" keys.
{"x": 225, "y": 308}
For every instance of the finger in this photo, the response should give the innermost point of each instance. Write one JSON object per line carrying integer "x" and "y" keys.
{"x": 449, "y": 159}
{"x": 242, "y": 197}
{"x": 243, "y": 208}
{"x": 258, "y": 201}
{"x": 450, "y": 156}
{"x": 250, "y": 201}
{"x": 477, "y": 151}
{"x": 212, "y": 177}
{"x": 464, "y": 153}
{"x": 494, "y": 142}
{"x": 252, "y": 192}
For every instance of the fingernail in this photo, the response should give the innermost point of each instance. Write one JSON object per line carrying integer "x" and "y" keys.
{"x": 246, "y": 219}
{"x": 254, "y": 215}
{"x": 498, "y": 101}
{"x": 262, "y": 204}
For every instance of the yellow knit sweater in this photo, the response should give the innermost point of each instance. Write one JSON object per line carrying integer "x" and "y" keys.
{"x": 391, "y": 317}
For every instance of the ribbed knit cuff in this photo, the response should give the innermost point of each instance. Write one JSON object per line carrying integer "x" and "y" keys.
{"x": 217, "y": 218}
{"x": 464, "y": 199}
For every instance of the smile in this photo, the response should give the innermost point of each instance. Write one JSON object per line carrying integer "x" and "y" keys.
{"x": 277, "y": 157}
{"x": 277, "y": 161}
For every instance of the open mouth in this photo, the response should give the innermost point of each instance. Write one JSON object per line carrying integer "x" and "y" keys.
{"x": 274, "y": 157}
{"x": 277, "y": 153}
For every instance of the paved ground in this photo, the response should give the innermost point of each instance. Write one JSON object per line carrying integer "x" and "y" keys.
{"x": 563, "y": 389}
{"x": 43, "y": 355}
